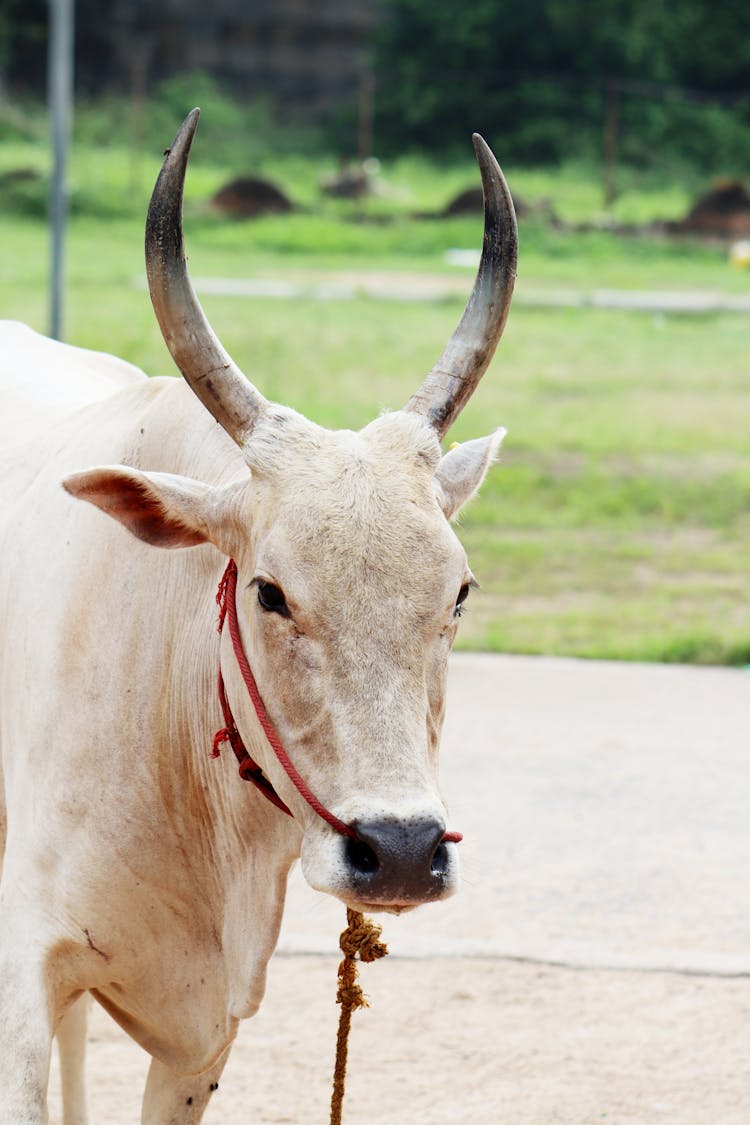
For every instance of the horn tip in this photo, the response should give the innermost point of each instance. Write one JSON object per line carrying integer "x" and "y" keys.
{"x": 485, "y": 156}
{"x": 189, "y": 125}
{"x": 182, "y": 143}
{"x": 480, "y": 144}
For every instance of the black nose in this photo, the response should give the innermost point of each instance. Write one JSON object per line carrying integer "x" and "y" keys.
{"x": 394, "y": 861}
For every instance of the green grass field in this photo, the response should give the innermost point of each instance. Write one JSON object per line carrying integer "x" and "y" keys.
{"x": 617, "y": 523}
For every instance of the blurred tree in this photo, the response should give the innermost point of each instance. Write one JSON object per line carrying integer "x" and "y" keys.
{"x": 23, "y": 39}
{"x": 638, "y": 81}
{"x": 542, "y": 73}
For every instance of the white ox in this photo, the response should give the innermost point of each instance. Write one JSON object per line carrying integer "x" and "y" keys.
{"x": 136, "y": 867}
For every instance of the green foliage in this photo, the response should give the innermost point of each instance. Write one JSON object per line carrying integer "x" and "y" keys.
{"x": 117, "y": 146}
{"x": 617, "y": 522}
{"x": 233, "y": 133}
{"x": 538, "y": 77}
{"x": 22, "y": 120}
{"x": 25, "y": 194}
{"x": 541, "y": 80}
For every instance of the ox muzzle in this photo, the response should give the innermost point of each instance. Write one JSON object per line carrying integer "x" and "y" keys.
{"x": 398, "y": 862}
{"x": 393, "y": 863}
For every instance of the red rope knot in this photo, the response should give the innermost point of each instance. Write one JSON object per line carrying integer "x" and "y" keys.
{"x": 223, "y": 591}
{"x": 220, "y": 737}
{"x": 231, "y": 735}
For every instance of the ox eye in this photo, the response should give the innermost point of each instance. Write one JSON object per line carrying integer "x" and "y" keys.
{"x": 463, "y": 594}
{"x": 272, "y": 599}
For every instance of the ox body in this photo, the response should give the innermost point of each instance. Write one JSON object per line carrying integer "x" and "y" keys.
{"x": 136, "y": 867}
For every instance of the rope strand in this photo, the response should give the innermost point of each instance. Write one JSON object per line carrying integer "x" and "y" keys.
{"x": 361, "y": 936}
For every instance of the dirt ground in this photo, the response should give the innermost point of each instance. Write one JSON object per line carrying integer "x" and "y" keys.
{"x": 462, "y": 1040}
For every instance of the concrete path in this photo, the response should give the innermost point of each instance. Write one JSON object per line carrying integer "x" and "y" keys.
{"x": 344, "y": 285}
{"x": 606, "y": 815}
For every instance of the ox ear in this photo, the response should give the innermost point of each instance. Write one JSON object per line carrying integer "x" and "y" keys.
{"x": 159, "y": 508}
{"x": 462, "y": 470}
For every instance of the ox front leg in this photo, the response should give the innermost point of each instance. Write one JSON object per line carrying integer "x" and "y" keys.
{"x": 71, "y": 1045}
{"x": 26, "y": 1026}
{"x": 174, "y": 1099}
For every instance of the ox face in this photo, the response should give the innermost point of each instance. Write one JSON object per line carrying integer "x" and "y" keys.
{"x": 350, "y": 579}
{"x": 350, "y": 587}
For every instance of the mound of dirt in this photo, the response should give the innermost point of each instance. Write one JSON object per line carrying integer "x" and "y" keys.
{"x": 471, "y": 202}
{"x": 20, "y": 176}
{"x": 725, "y": 210}
{"x": 248, "y": 197}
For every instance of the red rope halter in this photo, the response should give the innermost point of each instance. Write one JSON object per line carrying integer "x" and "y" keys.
{"x": 248, "y": 768}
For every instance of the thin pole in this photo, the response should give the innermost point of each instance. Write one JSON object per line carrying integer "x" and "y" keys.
{"x": 60, "y": 95}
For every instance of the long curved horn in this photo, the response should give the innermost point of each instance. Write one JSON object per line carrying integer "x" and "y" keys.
{"x": 452, "y": 380}
{"x": 210, "y": 372}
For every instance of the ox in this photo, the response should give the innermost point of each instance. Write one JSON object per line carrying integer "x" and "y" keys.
{"x": 136, "y": 868}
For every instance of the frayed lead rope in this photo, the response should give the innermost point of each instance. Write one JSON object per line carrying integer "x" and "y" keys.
{"x": 361, "y": 938}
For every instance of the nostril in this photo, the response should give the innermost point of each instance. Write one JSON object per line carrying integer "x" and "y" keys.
{"x": 440, "y": 860}
{"x": 361, "y": 857}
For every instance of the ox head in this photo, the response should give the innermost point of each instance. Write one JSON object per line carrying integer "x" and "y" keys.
{"x": 350, "y": 579}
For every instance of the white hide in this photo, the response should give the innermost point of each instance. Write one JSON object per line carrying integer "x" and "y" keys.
{"x": 136, "y": 867}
